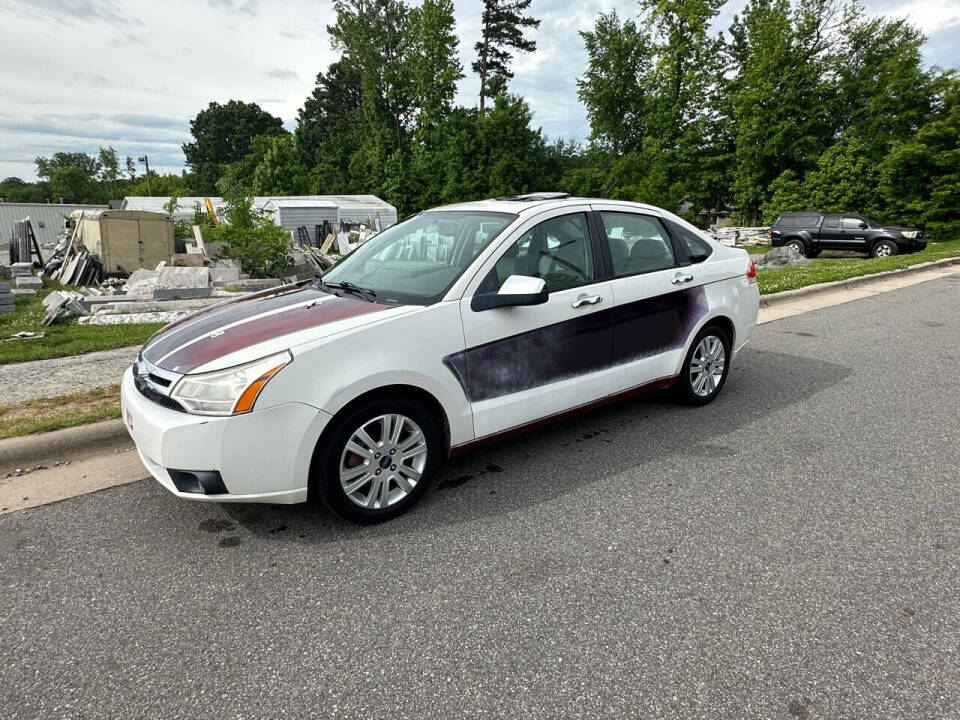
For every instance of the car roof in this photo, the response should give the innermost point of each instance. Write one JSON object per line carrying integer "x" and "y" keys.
{"x": 538, "y": 202}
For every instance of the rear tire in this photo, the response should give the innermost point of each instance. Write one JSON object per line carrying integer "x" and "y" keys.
{"x": 705, "y": 368}
{"x": 884, "y": 248}
{"x": 377, "y": 460}
{"x": 797, "y": 246}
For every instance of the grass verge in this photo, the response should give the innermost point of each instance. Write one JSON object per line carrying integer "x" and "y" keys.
{"x": 63, "y": 338}
{"x": 45, "y": 414}
{"x": 830, "y": 267}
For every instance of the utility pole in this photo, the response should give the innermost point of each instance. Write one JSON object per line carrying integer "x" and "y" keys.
{"x": 146, "y": 161}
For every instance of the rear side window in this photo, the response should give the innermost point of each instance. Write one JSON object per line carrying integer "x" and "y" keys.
{"x": 831, "y": 221}
{"x": 698, "y": 248}
{"x": 638, "y": 243}
{"x": 808, "y": 220}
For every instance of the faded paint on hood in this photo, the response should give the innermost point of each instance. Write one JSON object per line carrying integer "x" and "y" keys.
{"x": 218, "y": 331}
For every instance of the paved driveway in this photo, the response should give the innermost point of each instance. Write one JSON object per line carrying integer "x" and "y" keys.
{"x": 791, "y": 551}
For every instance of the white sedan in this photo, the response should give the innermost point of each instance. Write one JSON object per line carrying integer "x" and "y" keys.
{"x": 456, "y": 326}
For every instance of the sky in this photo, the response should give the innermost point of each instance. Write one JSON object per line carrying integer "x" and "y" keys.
{"x": 78, "y": 74}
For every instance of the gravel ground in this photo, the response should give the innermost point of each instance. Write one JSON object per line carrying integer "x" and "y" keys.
{"x": 59, "y": 376}
{"x": 790, "y": 551}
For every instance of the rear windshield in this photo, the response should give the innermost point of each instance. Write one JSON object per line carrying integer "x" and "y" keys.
{"x": 797, "y": 220}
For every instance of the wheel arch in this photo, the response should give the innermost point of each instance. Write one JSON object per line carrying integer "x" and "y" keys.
{"x": 411, "y": 392}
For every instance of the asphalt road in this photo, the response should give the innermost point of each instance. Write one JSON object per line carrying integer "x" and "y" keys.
{"x": 791, "y": 551}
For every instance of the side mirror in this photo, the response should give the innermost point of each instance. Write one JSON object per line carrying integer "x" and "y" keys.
{"x": 516, "y": 290}
{"x": 863, "y": 225}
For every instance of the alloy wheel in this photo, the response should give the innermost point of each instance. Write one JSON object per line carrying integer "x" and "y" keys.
{"x": 707, "y": 366}
{"x": 383, "y": 461}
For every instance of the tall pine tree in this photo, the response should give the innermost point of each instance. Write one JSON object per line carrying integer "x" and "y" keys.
{"x": 503, "y": 30}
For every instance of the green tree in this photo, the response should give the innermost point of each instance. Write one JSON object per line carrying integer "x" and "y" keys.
{"x": 15, "y": 189}
{"x": 504, "y": 25}
{"x": 222, "y": 135}
{"x": 885, "y": 93}
{"x": 781, "y": 97}
{"x": 329, "y": 125}
{"x": 81, "y": 161}
{"x": 109, "y": 172}
{"x": 72, "y": 184}
{"x": 281, "y": 171}
{"x": 251, "y": 236}
{"x": 615, "y": 85}
{"x": 920, "y": 178}
{"x": 437, "y": 69}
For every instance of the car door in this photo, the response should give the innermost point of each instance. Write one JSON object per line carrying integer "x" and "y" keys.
{"x": 525, "y": 363}
{"x": 853, "y": 228}
{"x": 831, "y": 235}
{"x": 658, "y": 295}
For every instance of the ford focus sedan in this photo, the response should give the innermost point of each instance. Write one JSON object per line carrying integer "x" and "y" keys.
{"x": 457, "y": 326}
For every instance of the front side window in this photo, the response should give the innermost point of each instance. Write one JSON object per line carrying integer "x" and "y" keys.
{"x": 638, "y": 243}
{"x": 557, "y": 250}
{"x": 417, "y": 261}
{"x": 851, "y": 223}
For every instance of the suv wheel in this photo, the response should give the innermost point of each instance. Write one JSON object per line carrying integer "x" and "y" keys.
{"x": 378, "y": 460}
{"x": 705, "y": 368}
{"x": 884, "y": 248}
{"x": 797, "y": 246}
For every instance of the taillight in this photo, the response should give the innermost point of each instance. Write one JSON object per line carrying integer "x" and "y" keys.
{"x": 770, "y": 234}
{"x": 751, "y": 272}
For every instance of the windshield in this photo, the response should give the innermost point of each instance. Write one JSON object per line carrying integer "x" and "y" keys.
{"x": 872, "y": 222}
{"x": 416, "y": 261}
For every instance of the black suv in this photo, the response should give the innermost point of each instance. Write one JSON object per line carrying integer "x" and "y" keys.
{"x": 810, "y": 232}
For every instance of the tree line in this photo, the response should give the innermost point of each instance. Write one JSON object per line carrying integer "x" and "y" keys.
{"x": 808, "y": 104}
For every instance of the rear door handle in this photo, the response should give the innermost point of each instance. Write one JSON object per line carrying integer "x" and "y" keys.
{"x": 678, "y": 278}
{"x": 586, "y": 300}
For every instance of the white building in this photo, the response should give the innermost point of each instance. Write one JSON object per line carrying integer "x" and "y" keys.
{"x": 290, "y": 212}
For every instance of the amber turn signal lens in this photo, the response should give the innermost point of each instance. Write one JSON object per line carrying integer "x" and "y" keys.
{"x": 250, "y": 395}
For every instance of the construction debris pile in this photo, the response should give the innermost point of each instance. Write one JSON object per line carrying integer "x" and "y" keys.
{"x": 102, "y": 257}
{"x": 738, "y": 236}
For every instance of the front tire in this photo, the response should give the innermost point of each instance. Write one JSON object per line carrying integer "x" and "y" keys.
{"x": 378, "y": 459}
{"x": 705, "y": 368}
{"x": 884, "y": 248}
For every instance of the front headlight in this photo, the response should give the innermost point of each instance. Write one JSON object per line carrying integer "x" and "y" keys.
{"x": 228, "y": 392}
{"x": 910, "y": 234}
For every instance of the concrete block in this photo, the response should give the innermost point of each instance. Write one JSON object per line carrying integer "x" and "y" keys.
{"x": 4, "y": 288}
{"x": 183, "y": 277}
{"x": 186, "y": 260}
{"x": 29, "y": 282}
{"x": 18, "y": 291}
{"x": 7, "y": 309}
{"x": 8, "y": 298}
{"x": 181, "y": 293}
{"x": 21, "y": 269}
{"x": 224, "y": 275}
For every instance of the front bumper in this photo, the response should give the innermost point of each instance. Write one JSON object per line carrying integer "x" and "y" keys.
{"x": 262, "y": 456}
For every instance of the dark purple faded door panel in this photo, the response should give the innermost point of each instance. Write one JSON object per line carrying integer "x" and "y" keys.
{"x": 560, "y": 351}
{"x": 656, "y": 325}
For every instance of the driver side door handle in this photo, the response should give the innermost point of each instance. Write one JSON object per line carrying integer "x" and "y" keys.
{"x": 678, "y": 278}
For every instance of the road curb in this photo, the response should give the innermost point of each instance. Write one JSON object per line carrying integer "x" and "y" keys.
{"x": 66, "y": 444}
{"x": 774, "y": 299}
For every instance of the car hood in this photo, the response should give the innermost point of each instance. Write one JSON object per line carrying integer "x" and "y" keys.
{"x": 895, "y": 229}
{"x": 256, "y": 325}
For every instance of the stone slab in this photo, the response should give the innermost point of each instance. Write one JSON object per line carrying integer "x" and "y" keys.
{"x": 181, "y": 293}
{"x": 7, "y": 309}
{"x": 22, "y": 291}
{"x": 133, "y": 318}
{"x": 183, "y": 277}
{"x": 186, "y": 260}
{"x": 224, "y": 275}
{"x": 29, "y": 282}
{"x": 4, "y": 288}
